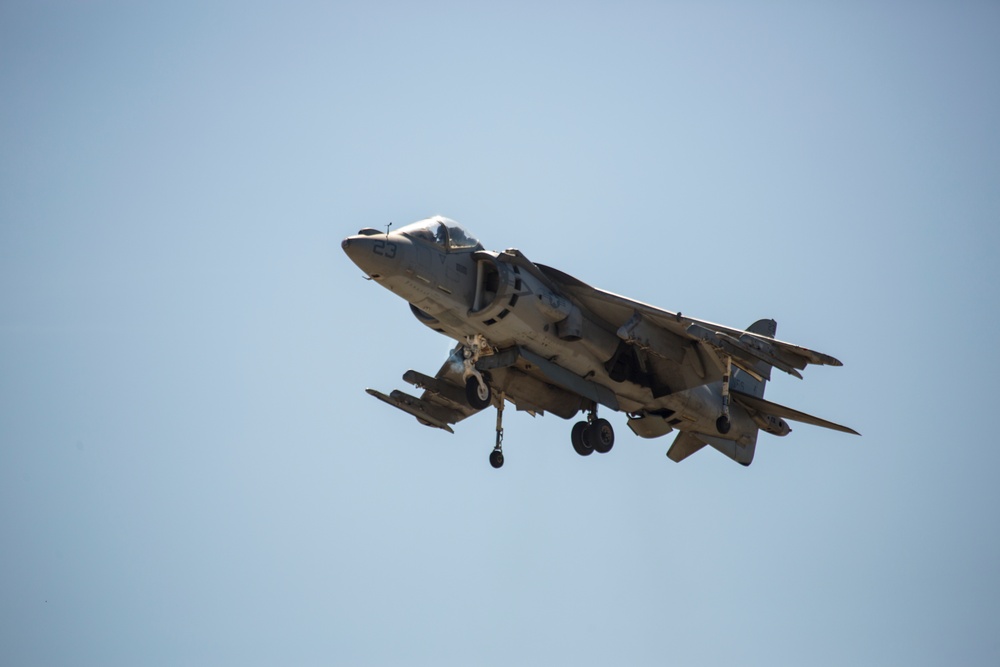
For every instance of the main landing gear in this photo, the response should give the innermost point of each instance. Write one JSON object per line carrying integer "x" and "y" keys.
{"x": 477, "y": 384}
{"x": 593, "y": 435}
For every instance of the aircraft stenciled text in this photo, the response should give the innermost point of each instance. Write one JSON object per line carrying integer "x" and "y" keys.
{"x": 385, "y": 248}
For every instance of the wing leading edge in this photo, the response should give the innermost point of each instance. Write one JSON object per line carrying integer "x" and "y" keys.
{"x": 747, "y": 347}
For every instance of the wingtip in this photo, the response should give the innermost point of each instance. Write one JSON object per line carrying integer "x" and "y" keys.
{"x": 829, "y": 361}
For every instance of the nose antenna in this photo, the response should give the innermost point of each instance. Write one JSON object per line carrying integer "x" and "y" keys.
{"x": 387, "y": 229}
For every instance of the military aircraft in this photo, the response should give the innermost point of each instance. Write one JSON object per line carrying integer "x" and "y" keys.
{"x": 547, "y": 342}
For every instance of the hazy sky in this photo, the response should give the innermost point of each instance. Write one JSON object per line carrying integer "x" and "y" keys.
{"x": 192, "y": 474}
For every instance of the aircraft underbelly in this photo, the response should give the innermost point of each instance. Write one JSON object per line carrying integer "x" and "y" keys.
{"x": 699, "y": 407}
{"x": 522, "y": 325}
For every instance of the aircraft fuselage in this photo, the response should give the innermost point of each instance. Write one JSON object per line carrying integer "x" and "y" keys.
{"x": 464, "y": 291}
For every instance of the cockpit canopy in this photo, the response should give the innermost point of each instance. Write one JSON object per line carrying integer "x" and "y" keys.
{"x": 443, "y": 232}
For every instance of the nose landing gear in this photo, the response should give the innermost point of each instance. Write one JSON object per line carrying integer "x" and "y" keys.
{"x": 496, "y": 456}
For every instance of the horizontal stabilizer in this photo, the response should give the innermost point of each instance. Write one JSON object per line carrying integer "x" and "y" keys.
{"x": 411, "y": 405}
{"x": 775, "y": 410}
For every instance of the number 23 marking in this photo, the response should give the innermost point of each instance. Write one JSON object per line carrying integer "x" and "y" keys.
{"x": 385, "y": 248}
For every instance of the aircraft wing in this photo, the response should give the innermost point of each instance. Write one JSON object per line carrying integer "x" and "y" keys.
{"x": 443, "y": 402}
{"x": 768, "y": 408}
{"x": 685, "y": 351}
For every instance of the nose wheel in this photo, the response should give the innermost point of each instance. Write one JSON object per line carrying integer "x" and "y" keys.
{"x": 496, "y": 458}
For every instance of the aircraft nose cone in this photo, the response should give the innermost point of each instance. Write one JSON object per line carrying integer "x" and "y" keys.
{"x": 372, "y": 254}
{"x": 353, "y": 247}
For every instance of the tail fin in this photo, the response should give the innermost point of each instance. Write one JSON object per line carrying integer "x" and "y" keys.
{"x": 744, "y": 381}
{"x": 748, "y": 384}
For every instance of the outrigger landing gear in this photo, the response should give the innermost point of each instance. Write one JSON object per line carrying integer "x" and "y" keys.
{"x": 496, "y": 456}
{"x": 593, "y": 435}
{"x": 478, "y": 392}
{"x": 723, "y": 423}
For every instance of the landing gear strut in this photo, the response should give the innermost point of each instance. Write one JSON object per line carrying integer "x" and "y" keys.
{"x": 496, "y": 456}
{"x": 593, "y": 435}
{"x": 723, "y": 424}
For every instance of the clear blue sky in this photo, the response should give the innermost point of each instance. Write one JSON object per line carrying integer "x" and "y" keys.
{"x": 192, "y": 474}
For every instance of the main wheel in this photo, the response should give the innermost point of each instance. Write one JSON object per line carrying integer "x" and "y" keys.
{"x": 496, "y": 458}
{"x": 478, "y": 395}
{"x": 581, "y": 447}
{"x": 600, "y": 436}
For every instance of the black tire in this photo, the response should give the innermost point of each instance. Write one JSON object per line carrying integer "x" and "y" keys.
{"x": 600, "y": 435}
{"x": 581, "y": 447}
{"x": 496, "y": 458}
{"x": 475, "y": 396}
{"x": 722, "y": 425}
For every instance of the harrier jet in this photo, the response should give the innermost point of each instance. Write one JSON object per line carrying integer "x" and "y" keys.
{"x": 547, "y": 342}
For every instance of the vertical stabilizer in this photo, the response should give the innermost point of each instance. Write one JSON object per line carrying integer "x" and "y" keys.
{"x": 745, "y": 382}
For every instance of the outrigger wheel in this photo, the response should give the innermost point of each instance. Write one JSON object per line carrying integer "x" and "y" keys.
{"x": 722, "y": 424}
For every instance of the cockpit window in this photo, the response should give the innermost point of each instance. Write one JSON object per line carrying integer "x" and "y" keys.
{"x": 461, "y": 238}
{"x": 443, "y": 232}
{"x": 425, "y": 230}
